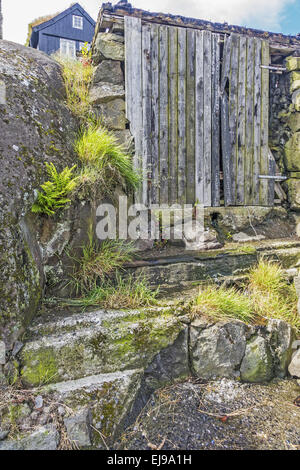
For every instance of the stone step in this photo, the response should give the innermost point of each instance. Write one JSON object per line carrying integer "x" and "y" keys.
{"x": 96, "y": 343}
{"x": 107, "y": 397}
{"x": 234, "y": 260}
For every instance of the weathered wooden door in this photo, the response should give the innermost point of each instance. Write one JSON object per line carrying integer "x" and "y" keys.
{"x": 245, "y": 122}
{"x": 178, "y": 80}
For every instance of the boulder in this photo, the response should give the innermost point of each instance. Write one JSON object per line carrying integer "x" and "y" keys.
{"x": 109, "y": 46}
{"x": 109, "y": 71}
{"x": 36, "y": 127}
{"x": 257, "y": 365}
{"x": 294, "y": 368}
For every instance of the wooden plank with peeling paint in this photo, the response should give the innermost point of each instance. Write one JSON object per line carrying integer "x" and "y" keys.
{"x": 215, "y": 150}
{"x": 257, "y": 124}
{"x": 249, "y": 157}
{"x": 147, "y": 110}
{"x": 182, "y": 71}
{"x": 154, "y": 115}
{"x": 264, "y": 159}
{"x": 241, "y": 123}
{"x": 190, "y": 121}
{"x": 173, "y": 114}
{"x": 163, "y": 114}
{"x": 199, "y": 124}
{"x": 133, "y": 87}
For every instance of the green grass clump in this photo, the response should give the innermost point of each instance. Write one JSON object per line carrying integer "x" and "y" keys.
{"x": 98, "y": 150}
{"x": 221, "y": 303}
{"x": 98, "y": 263}
{"x": 55, "y": 191}
{"x": 77, "y": 76}
{"x": 272, "y": 295}
{"x": 266, "y": 294}
{"x": 122, "y": 293}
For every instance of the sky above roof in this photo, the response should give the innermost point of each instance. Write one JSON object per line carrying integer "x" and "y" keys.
{"x": 276, "y": 15}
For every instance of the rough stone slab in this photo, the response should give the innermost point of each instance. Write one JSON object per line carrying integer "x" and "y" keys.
{"x": 97, "y": 343}
{"x": 294, "y": 368}
{"x": 2, "y": 353}
{"x": 257, "y": 365}
{"x": 109, "y": 398}
{"x": 104, "y": 92}
{"x": 45, "y": 438}
{"x": 218, "y": 351}
{"x": 112, "y": 114}
{"x": 110, "y": 46}
{"x": 282, "y": 337}
{"x": 78, "y": 428}
{"x": 293, "y": 63}
{"x": 109, "y": 71}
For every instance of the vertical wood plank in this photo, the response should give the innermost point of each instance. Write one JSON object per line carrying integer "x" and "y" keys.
{"x": 182, "y": 64}
{"x": 249, "y": 157}
{"x": 257, "y": 123}
{"x": 199, "y": 129}
{"x": 241, "y": 124}
{"x": 147, "y": 110}
{"x": 226, "y": 141}
{"x": 133, "y": 88}
{"x": 154, "y": 116}
{"x": 163, "y": 114}
{"x": 190, "y": 115}
{"x": 207, "y": 133}
{"x": 264, "y": 160}
{"x": 173, "y": 115}
{"x": 215, "y": 156}
{"x": 233, "y": 108}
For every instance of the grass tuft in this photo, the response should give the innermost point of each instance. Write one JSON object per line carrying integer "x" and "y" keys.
{"x": 97, "y": 264}
{"x": 272, "y": 295}
{"x": 123, "y": 293}
{"x": 98, "y": 150}
{"x": 221, "y": 303}
{"x": 266, "y": 294}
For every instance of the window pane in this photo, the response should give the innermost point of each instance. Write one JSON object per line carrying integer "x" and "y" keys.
{"x": 77, "y": 22}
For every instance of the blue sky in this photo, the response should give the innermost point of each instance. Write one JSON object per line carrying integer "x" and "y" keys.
{"x": 273, "y": 15}
{"x": 290, "y": 23}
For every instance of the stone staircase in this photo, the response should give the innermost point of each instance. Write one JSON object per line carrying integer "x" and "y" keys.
{"x": 177, "y": 268}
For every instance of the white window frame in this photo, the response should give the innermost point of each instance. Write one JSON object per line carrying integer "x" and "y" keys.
{"x": 68, "y": 48}
{"x": 77, "y": 22}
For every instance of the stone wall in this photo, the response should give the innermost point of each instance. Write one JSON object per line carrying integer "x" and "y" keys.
{"x": 108, "y": 88}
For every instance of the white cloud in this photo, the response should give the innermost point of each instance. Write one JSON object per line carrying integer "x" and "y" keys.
{"x": 256, "y": 13}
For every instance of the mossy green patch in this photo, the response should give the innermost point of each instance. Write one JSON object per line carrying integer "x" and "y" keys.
{"x": 41, "y": 367}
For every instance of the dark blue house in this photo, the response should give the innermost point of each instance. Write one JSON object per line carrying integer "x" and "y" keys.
{"x": 66, "y": 32}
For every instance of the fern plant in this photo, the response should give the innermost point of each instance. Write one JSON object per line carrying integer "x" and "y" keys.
{"x": 55, "y": 191}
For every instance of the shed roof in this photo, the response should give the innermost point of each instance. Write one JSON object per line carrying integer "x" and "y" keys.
{"x": 108, "y": 12}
